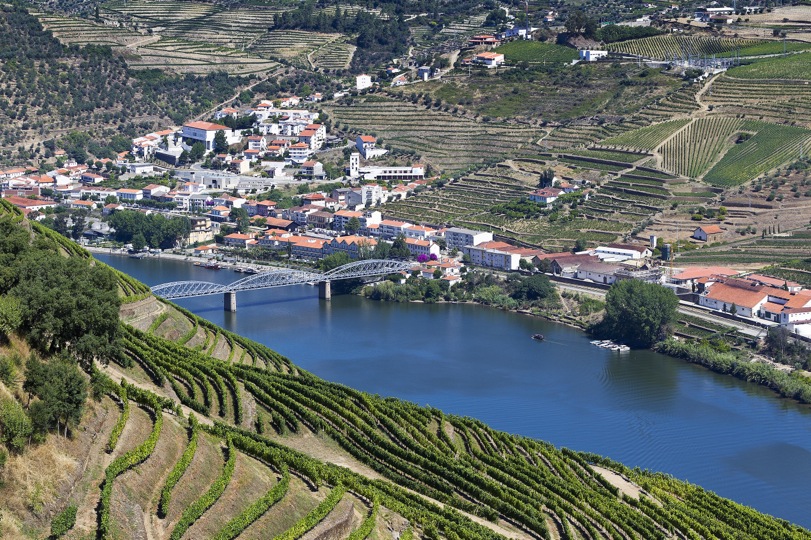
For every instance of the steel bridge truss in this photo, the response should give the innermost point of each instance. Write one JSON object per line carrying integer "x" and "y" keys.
{"x": 281, "y": 277}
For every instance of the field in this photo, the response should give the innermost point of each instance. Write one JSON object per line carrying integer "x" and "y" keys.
{"x": 668, "y": 47}
{"x": 535, "y": 52}
{"x": 84, "y": 32}
{"x": 446, "y": 141}
{"x": 768, "y": 48}
{"x": 694, "y": 149}
{"x": 333, "y": 56}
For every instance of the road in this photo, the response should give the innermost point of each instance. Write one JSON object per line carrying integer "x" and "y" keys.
{"x": 685, "y": 308}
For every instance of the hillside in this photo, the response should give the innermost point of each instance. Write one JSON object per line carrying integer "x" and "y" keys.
{"x": 208, "y": 434}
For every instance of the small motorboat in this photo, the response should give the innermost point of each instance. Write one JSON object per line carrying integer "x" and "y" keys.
{"x": 538, "y": 337}
{"x": 251, "y": 271}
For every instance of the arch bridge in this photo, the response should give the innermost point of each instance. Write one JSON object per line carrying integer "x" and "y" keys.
{"x": 280, "y": 277}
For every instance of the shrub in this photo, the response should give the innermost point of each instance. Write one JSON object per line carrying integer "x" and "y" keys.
{"x": 15, "y": 426}
{"x": 63, "y": 522}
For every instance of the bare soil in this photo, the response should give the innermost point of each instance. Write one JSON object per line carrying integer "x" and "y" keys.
{"x": 296, "y": 504}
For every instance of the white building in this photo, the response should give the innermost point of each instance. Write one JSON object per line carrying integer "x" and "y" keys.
{"x": 590, "y": 55}
{"x": 545, "y": 195}
{"x": 489, "y": 59}
{"x": 362, "y": 82}
{"x": 415, "y": 172}
{"x": 456, "y": 237}
{"x": 419, "y": 247}
{"x": 390, "y": 228}
{"x": 205, "y": 132}
{"x": 623, "y": 252}
{"x": 366, "y": 145}
{"x": 492, "y": 254}
{"x": 598, "y": 272}
{"x": 129, "y": 195}
{"x": 424, "y": 73}
{"x": 300, "y": 152}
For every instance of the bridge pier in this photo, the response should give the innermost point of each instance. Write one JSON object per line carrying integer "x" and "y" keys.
{"x": 325, "y": 290}
{"x": 230, "y": 301}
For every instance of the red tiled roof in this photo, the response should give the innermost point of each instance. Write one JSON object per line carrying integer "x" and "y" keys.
{"x": 207, "y": 126}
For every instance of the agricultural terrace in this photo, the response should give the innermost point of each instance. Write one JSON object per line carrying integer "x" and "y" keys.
{"x": 291, "y": 45}
{"x": 768, "y": 48}
{"x": 333, "y": 56}
{"x": 464, "y": 28}
{"x": 791, "y": 67}
{"x": 771, "y": 146}
{"x": 207, "y": 23}
{"x": 495, "y": 199}
{"x": 647, "y": 138}
{"x": 778, "y": 101}
{"x": 789, "y": 252}
{"x": 446, "y": 141}
{"x": 736, "y": 150}
{"x": 197, "y": 58}
{"x": 669, "y": 46}
{"x": 247, "y": 467}
{"x": 84, "y": 32}
{"x": 536, "y": 52}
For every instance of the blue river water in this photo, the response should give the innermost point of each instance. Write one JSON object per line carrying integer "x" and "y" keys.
{"x": 641, "y": 408}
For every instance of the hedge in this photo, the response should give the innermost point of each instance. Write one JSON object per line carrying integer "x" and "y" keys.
{"x": 122, "y": 420}
{"x": 366, "y": 527}
{"x": 63, "y": 522}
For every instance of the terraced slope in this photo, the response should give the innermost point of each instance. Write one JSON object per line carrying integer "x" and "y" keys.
{"x": 405, "y": 470}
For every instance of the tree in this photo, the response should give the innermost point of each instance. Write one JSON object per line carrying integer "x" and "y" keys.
{"x": 10, "y": 316}
{"x": 580, "y": 245}
{"x": 353, "y": 225}
{"x": 638, "y": 313}
{"x": 399, "y": 249}
{"x": 138, "y": 241}
{"x": 62, "y": 390}
{"x": 381, "y": 250}
{"x": 198, "y": 150}
{"x": 220, "y": 142}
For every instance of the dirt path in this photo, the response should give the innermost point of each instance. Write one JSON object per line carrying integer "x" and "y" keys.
{"x": 141, "y": 42}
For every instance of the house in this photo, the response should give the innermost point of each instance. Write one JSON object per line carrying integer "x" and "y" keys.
{"x": 279, "y": 223}
{"x": 690, "y": 276}
{"x": 205, "y": 132}
{"x": 257, "y": 142}
{"x": 366, "y": 146}
{"x": 300, "y": 152}
{"x": 110, "y": 208}
{"x": 200, "y": 230}
{"x": 312, "y": 169}
{"x": 83, "y": 205}
{"x": 484, "y": 39}
{"x": 390, "y": 228}
{"x": 419, "y": 247}
{"x": 30, "y": 205}
{"x": 550, "y": 17}
{"x": 288, "y": 102}
{"x": 91, "y": 178}
{"x": 153, "y": 191}
{"x": 545, "y": 195}
{"x": 320, "y": 219}
{"x": 493, "y": 254}
{"x": 589, "y": 55}
{"x": 768, "y": 281}
{"x": 353, "y": 245}
{"x": 598, "y": 272}
{"x": 238, "y": 240}
{"x": 424, "y": 73}
{"x": 567, "y": 264}
{"x": 220, "y": 213}
{"x": 708, "y": 233}
{"x": 129, "y": 195}
{"x": 412, "y": 173}
{"x": 420, "y": 232}
{"x": 741, "y": 297}
{"x": 457, "y": 237}
{"x": 342, "y": 217}
{"x": 362, "y": 82}
{"x": 264, "y": 208}
{"x": 489, "y": 59}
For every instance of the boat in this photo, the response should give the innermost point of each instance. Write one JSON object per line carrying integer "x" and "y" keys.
{"x": 137, "y": 255}
{"x": 251, "y": 271}
{"x": 238, "y": 269}
{"x": 538, "y": 337}
{"x": 212, "y": 266}
{"x": 198, "y": 263}
{"x": 624, "y": 348}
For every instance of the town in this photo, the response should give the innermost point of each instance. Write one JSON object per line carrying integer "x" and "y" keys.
{"x": 230, "y": 214}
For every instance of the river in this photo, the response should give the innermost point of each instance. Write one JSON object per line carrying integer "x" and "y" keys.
{"x": 641, "y": 408}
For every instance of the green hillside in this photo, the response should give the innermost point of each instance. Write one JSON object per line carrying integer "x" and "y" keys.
{"x": 211, "y": 435}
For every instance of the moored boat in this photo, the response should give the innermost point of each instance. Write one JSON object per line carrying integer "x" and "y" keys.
{"x": 538, "y": 337}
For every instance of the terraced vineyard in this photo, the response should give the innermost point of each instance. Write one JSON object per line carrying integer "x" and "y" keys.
{"x": 196, "y": 58}
{"x": 333, "y": 56}
{"x": 649, "y": 137}
{"x": 255, "y": 459}
{"x": 291, "y": 45}
{"x": 84, "y": 32}
{"x": 791, "y": 67}
{"x": 621, "y": 206}
{"x": 669, "y": 46}
{"x": 446, "y": 141}
{"x": 692, "y": 151}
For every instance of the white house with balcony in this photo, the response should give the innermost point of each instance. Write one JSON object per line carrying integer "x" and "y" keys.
{"x": 205, "y": 132}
